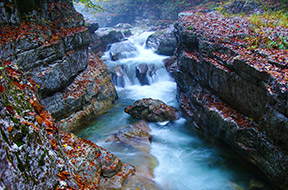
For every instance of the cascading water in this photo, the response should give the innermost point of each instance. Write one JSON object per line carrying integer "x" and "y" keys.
{"x": 185, "y": 161}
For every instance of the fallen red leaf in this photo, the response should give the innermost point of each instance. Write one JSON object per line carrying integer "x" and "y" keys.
{"x": 10, "y": 109}
{"x": 1, "y": 88}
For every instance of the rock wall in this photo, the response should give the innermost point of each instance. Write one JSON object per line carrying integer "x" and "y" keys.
{"x": 50, "y": 43}
{"x": 34, "y": 154}
{"x": 233, "y": 91}
{"x": 44, "y": 56}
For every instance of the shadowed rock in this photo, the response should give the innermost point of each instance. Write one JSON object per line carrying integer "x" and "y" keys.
{"x": 141, "y": 72}
{"x": 163, "y": 42}
{"x": 92, "y": 27}
{"x": 170, "y": 64}
{"x": 152, "y": 110}
{"x": 118, "y": 74}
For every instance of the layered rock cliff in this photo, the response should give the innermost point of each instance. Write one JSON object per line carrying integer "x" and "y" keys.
{"x": 49, "y": 42}
{"x": 233, "y": 87}
{"x": 45, "y": 59}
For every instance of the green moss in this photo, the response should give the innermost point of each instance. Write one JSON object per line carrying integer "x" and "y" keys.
{"x": 4, "y": 137}
{"x": 20, "y": 165}
{"x": 41, "y": 160}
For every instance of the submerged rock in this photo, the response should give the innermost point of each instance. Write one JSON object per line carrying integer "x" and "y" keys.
{"x": 152, "y": 110}
{"x": 138, "y": 136}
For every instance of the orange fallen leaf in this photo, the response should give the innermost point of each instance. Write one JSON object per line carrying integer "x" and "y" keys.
{"x": 9, "y": 129}
{"x": 28, "y": 123}
{"x": 63, "y": 175}
{"x": 39, "y": 120}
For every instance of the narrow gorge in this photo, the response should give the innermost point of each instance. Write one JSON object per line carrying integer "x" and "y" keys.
{"x": 146, "y": 95}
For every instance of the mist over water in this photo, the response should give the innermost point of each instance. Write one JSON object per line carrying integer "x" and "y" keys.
{"x": 185, "y": 160}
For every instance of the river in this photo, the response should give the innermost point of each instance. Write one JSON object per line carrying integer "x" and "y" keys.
{"x": 185, "y": 160}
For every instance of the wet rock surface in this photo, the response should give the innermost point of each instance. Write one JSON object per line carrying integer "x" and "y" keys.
{"x": 163, "y": 42}
{"x": 34, "y": 154}
{"x": 171, "y": 64}
{"x": 118, "y": 75}
{"x": 152, "y": 110}
{"x": 136, "y": 135}
{"x": 103, "y": 37}
{"x": 231, "y": 96}
{"x": 141, "y": 73}
{"x": 92, "y": 27}
{"x": 122, "y": 50}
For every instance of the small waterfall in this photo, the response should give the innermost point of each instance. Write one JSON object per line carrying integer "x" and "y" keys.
{"x": 134, "y": 64}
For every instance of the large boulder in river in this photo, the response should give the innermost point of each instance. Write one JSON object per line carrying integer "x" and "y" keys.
{"x": 152, "y": 110}
{"x": 103, "y": 37}
{"x": 121, "y": 50}
{"x": 163, "y": 42}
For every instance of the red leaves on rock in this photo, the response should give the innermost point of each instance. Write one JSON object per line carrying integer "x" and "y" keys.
{"x": 31, "y": 124}
{"x": 239, "y": 35}
{"x": 9, "y": 129}
{"x": 39, "y": 120}
{"x": 1, "y": 88}
{"x": 13, "y": 73}
{"x": 63, "y": 175}
{"x": 54, "y": 144}
{"x": 10, "y": 109}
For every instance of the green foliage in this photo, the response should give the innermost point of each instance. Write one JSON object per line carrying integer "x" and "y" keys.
{"x": 93, "y": 5}
{"x": 280, "y": 43}
{"x": 270, "y": 19}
